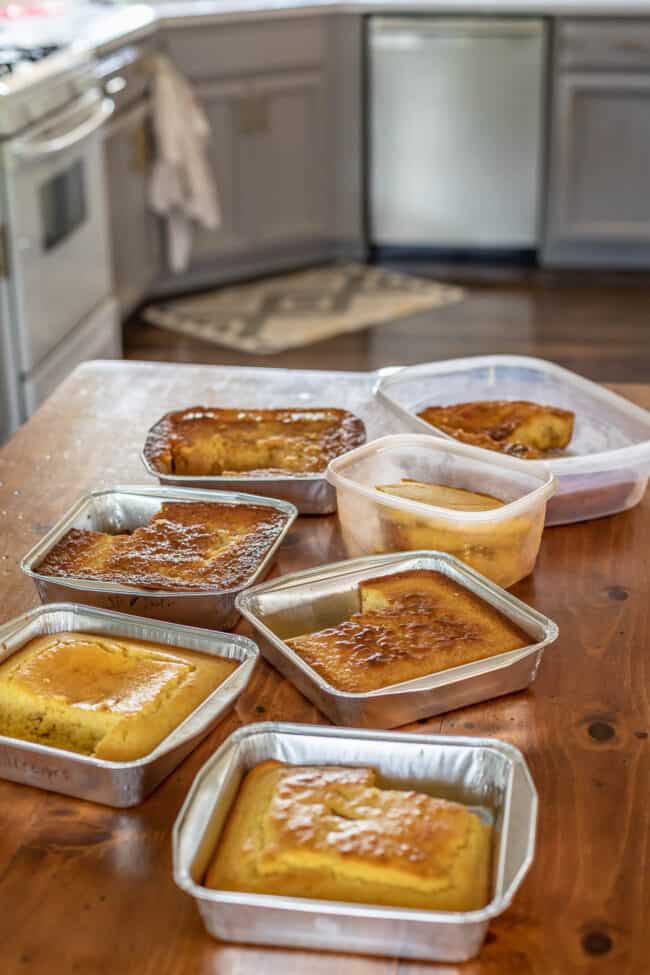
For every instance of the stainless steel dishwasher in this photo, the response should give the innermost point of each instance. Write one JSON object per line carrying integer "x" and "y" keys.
{"x": 455, "y": 134}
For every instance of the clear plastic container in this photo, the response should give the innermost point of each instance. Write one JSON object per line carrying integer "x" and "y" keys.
{"x": 604, "y": 469}
{"x": 501, "y": 543}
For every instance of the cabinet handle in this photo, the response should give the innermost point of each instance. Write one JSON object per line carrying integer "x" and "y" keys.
{"x": 254, "y": 115}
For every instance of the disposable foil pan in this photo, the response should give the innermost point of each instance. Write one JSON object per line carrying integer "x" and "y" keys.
{"x": 486, "y": 774}
{"x": 307, "y": 601}
{"x": 256, "y": 388}
{"x": 121, "y": 509}
{"x": 119, "y": 783}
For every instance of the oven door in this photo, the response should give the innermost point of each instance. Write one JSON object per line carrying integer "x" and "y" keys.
{"x": 57, "y": 222}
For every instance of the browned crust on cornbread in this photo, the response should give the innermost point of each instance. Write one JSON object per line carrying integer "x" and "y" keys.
{"x": 429, "y": 624}
{"x": 306, "y": 440}
{"x": 501, "y": 425}
{"x": 331, "y": 833}
{"x": 188, "y": 546}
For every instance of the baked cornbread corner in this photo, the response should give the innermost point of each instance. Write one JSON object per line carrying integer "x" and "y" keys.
{"x": 109, "y": 697}
{"x": 411, "y": 624}
{"x": 187, "y": 546}
{"x": 331, "y": 833}
{"x": 212, "y": 441}
{"x": 518, "y": 427}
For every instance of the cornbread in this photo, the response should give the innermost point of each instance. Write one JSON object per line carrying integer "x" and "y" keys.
{"x": 112, "y": 698}
{"x": 456, "y": 499}
{"x": 331, "y": 833}
{"x": 494, "y": 548}
{"x": 410, "y": 624}
{"x": 516, "y": 427}
{"x": 191, "y": 546}
{"x": 203, "y": 441}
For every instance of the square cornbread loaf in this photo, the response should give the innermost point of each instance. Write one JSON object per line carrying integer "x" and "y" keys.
{"x": 517, "y": 427}
{"x": 204, "y": 441}
{"x": 187, "y": 545}
{"x": 496, "y": 547}
{"x": 411, "y": 624}
{"x": 109, "y": 697}
{"x": 331, "y": 833}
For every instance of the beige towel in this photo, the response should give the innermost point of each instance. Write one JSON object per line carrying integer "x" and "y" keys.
{"x": 182, "y": 187}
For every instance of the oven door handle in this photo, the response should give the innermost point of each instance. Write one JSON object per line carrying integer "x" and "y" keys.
{"x": 40, "y": 149}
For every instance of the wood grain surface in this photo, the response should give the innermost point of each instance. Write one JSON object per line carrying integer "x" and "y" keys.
{"x": 88, "y": 889}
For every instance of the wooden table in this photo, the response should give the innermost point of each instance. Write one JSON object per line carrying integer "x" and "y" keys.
{"x": 87, "y": 889}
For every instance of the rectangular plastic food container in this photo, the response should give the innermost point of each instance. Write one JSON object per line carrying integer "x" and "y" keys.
{"x": 122, "y": 509}
{"x": 484, "y": 773}
{"x": 252, "y": 388}
{"x": 307, "y": 601}
{"x": 119, "y": 784}
{"x": 501, "y": 543}
{"x": 604, "y": 469}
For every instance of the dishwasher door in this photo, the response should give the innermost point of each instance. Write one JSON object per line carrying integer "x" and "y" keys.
{"x": 456, "y": 116}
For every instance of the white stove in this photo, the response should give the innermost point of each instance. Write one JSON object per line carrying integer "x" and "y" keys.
{"x": 56, "y": 303}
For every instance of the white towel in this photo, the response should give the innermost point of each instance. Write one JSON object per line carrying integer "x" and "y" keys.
{"x": 182, "y": 187}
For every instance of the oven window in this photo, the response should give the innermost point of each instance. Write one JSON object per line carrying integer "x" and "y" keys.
{"x": 63, "y": 205}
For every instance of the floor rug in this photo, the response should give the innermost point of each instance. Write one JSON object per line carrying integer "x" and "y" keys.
{"x": 287, "y": 311}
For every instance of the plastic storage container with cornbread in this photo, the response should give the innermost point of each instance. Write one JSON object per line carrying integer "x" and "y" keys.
{"x": 502, "y": 543}
{"x": 606, "y": 465}
{"x": 488, "y": 775}
{"x": 305, "y": 602}
{"x": 114, "y": 783}
{"x": 123, "y": 509}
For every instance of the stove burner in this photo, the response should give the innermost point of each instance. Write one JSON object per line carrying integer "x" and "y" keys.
{"x": 11, "y": 57}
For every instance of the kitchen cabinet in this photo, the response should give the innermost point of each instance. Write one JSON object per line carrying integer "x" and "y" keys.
{"x": 135, "y": 229}
{"x": 598, "y": 208}
{"x": 270, "y": 90}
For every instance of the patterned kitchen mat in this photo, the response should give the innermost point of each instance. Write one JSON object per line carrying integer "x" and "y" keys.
{"x": 287, "y": 311}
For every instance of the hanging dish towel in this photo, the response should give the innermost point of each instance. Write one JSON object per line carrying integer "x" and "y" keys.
{"x": 182, "y": 188}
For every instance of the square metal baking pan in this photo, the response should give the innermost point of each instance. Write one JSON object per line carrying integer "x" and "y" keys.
{"x": 122, "y": 509}
{"x": 308, "y": 601}
{"x": 255, "y": 388}
{"x": 486, "y": 774}
{"x": 119, "y": 784}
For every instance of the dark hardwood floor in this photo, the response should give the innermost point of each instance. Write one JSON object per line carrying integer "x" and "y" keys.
{"x": 597, "y": 324}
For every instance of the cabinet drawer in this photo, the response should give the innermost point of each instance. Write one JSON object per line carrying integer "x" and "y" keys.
{"x": 222, "y": 50}
{"x": 624, "y": 45}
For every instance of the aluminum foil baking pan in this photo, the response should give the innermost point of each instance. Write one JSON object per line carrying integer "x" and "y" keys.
{"x": 122, "y": 509}
{"x": 119, "y": 783}
{"x": 255, "y": 388}
{"x": 489, "y": 775}
{"x": 307, "y": 601}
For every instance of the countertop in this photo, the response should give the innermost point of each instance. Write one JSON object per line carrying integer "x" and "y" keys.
{"x": 86, "y": 888}
{"x": 100, "y": 28}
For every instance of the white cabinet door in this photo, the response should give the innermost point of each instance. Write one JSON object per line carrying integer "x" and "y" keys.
{"x": 135, "y": 229}
{"x": 599, "y": 175}
{"x": 281, "y": 136}
{"x": 267, "y": 152}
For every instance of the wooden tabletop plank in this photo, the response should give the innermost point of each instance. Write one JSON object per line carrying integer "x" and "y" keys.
{"x": 88, "y": 889}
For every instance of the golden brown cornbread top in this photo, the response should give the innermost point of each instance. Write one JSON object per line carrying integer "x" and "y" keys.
{"x": 295, "y": 441}
{"x": 341, "y": 812}
{"x": 424, "y": 622}
{"x": 96, "y": 673}
{"x": 440, "y": 495}
{"x": 495, "y": 424}
{"x": 193, "y": 546}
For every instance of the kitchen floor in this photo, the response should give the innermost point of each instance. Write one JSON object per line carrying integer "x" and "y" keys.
{"x": 597, "y": 324}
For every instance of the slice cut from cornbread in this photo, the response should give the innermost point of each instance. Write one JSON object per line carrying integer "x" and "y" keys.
{"x": 457, "y": 499}
{"x": 109, "y": 697}
{"x": 411, "y": 624}
{"x": 517, "y": 427}
{"x": 331, "y": 833}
